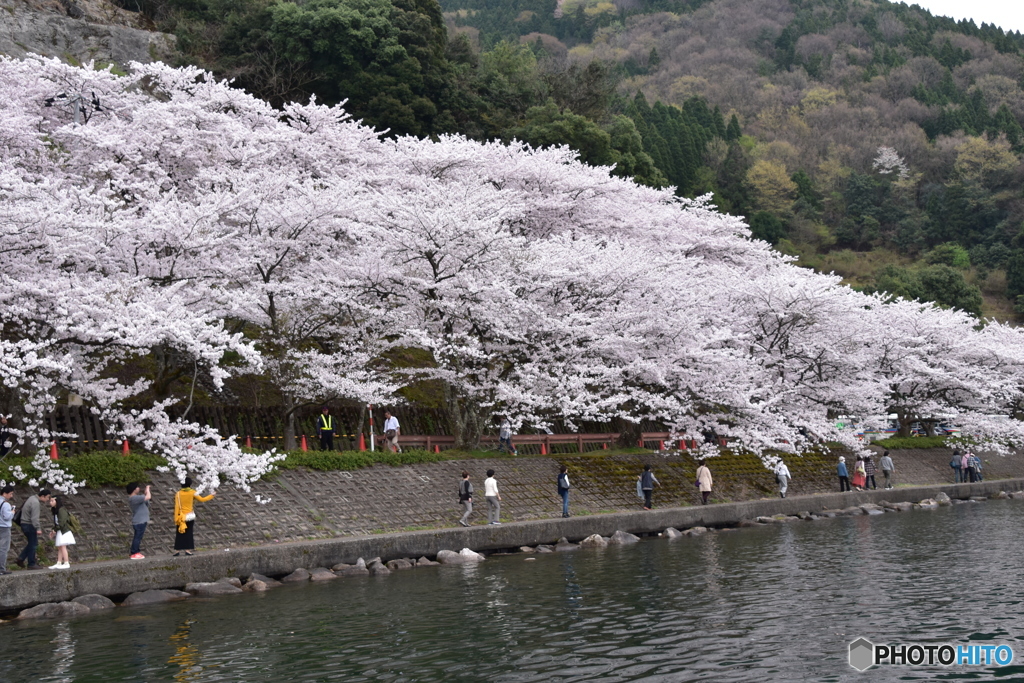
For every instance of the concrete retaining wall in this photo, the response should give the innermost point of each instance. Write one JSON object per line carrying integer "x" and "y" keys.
{"x": 118, "y": 578}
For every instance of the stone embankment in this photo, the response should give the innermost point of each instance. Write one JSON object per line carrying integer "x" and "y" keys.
{"x": 88, "y": 587}
{"x": 309, "y": 505}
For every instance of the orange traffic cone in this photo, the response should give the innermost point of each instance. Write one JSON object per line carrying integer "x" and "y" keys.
{"x": 640, "y": 443}
{"x": 248, "y": 442}
{"x": 437, "y": 449}
{"x": 661, "y": 445}
{"x": 543, "y": 448}
{"x": 53, "y": 450}
{"x": 125, "y": 450}
{"x": 605, "y": 444}
{"x": 362, "y": 441}
{"x": 304, "y": 448}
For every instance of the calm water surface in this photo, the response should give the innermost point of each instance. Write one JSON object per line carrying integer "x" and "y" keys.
{"x": 777, "y": 603}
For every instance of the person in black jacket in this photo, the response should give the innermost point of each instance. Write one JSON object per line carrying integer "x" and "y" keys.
{"x": 563, "y": 489}
{"x": 465, "y": 498}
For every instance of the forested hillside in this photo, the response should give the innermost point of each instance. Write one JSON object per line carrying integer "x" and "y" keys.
{"x": 866, "y": 137}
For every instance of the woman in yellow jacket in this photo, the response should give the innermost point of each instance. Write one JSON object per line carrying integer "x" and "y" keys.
{"x": 185, "y": 518}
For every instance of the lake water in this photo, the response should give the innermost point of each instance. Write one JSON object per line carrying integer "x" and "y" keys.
{"x": 775, "y": 603}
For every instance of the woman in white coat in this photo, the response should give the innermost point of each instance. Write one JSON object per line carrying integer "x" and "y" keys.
{"x": 703, "y": 482}
{"x": 782, "y": 476}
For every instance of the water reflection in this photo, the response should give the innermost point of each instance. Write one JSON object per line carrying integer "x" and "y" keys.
{"x": 63, "y": 653}
{"x": 774, "y": 603}
{"x": 186, "y": 654}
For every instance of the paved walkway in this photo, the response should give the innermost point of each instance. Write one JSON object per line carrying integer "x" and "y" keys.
{"x": 307, "y": 505}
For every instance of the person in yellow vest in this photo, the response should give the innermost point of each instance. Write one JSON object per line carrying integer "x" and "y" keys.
{"x": 325, "y": 423}
{"x": 185, "y": 517}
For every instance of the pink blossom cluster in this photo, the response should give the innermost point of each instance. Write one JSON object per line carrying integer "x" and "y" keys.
{"x": 163, "y": 209}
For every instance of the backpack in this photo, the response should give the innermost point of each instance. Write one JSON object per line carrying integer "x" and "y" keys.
{"x": 955, "y": 462}
{"x": 74, "y": 524}
{"x": 562, "y": 481}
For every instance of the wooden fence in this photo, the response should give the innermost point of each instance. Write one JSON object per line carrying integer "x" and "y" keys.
{"x": 422, "y": 428}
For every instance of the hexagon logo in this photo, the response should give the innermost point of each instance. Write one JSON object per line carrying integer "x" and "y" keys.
{"x": 862, "y": 654}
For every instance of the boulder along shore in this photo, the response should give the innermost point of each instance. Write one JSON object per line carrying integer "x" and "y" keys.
{"x": 100, "y": 585}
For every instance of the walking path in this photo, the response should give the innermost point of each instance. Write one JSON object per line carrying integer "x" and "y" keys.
{"x": 117, "y": 578}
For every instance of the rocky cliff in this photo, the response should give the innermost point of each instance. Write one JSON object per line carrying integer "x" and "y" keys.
{"x": 79, "y": 31}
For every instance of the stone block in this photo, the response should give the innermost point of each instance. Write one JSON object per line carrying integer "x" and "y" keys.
{"x": 232, "y": 580}
{"x": 296, "y": 576}
{"x": 270, "y": 583}
{"x": 596, "y": 541}
{"x": 204, "y": 589}
{"x": 396, "y": 565}
{"x": 54, "y": 610}
{"x": 153, "y": 597}
{"x": 95, "y": 603}
{"x": 321, "y": 574}
{"x": 621, "y": 537}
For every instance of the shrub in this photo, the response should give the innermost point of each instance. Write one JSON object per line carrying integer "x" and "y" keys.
{"x": 912, "y": 442}
{"x": 96, "y": 469}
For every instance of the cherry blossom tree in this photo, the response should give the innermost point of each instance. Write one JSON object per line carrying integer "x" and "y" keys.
{"x": 164, "y": 212}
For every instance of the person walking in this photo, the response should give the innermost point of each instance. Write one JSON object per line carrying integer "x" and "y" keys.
{"x": 888, "y": 468}
{"x": 858, "y": 474}
{"x": 392, "y": 430}
{"x": 6, "y": 519}
{"x": 844, "y": 476}
{"x": 493, "y": 498}
{"x": 325, "y": 424}
{"x": 32, "y": 528}
{"x": 869, "y": 472}
{"x": 139, "y": 504}
{"x": 505, "y": 437}
{"x": 185, "y": 517}
{"x": 63, "y": 531}
{"x": 975, "y": 465}
{"x": 703, "y": 481}
{"x": 782, "y": 476}
{"x": 966, "y": 468}
{"x": 955, "y": 462}
{"x": 563, "y": 488}
{"x": 465, "y": 498}
{"x": 647, "y": 483}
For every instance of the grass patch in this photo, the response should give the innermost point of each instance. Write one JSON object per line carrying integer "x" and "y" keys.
{"x": 912, "y": 442}
{"x": 96, "y": 469}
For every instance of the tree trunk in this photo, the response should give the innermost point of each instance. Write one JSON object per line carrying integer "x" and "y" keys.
{"x": 289, "y": 423}
{"x": 463, "y": 417}
{"x": 904, "y": 424}
{"x": 629, "y": 433}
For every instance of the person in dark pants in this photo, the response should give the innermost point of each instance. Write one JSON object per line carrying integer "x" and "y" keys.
{"x": 888, "y": 469}
{"x": 326, "y": 429}
{"x": 185, "y": 517}
{"x": 139, "y": 504}
{"x": 844, "y": 475}
{"x": 31, "y": 527}
{"x": 563, "y": 488}
{"x": 647, "y": 483}
{"x": 703, "y": 482}
{"x": 955, "y": 464}
{"x": 6, "y": 518}
{"x": 869, "y": 473}
{"x": 465, "y": 498}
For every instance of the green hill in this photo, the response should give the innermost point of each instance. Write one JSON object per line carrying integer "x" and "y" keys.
{"x": 865, "y": 137}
